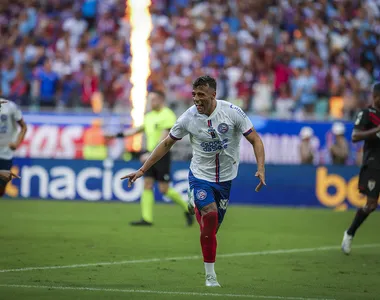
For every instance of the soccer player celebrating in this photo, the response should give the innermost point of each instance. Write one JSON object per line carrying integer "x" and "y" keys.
{"x": 157, "y": 124}
{"x": 10, "y": 138}
{"x": 215, "y": 128}
{"x": 367, "y": 129}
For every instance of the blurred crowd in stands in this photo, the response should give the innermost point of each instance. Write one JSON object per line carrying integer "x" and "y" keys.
{"x": 300, "y": 59}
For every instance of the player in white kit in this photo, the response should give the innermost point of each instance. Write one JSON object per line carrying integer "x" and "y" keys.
{"x": 215, "y": 128}
{"x": 10, "y": 138}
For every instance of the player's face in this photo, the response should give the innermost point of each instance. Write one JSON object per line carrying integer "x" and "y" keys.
{"x": 155, "y": 101}
{"x": 203, "y": 97}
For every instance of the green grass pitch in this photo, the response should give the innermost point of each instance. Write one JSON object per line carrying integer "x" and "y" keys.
{"x": 84, "y": 235}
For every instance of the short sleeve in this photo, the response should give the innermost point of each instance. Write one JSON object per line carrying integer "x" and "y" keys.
{"x": 362, "y": 119}
{"x": 16, "y": 112}
{"x": 242, "y": 123}
{"x": 179, "y": 130}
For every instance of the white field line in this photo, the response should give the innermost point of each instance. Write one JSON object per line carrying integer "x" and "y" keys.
{"x": 124, "y": 262}
{"x": 156, "y": 292}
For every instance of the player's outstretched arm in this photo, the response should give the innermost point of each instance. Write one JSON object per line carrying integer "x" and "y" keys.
{"x": 127, "y": 133}
{"x": 156, "y": 155}
{"x": 258, "y": 148}
{"x": 361, "y": 135}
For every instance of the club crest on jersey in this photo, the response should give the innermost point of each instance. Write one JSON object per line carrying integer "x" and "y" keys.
{"x": 223, "y": 128}
{"x": 371, "y": 184}
{"x": 3, "y": 118}
{"x": 201, "y": 195}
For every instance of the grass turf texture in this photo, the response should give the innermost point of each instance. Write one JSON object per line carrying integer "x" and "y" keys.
{"x": 47, "y": 233}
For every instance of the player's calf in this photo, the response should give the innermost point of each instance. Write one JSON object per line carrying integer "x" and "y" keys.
{"x": 209, "y": 225}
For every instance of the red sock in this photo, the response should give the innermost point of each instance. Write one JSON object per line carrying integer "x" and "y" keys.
{"x": 199, "y": 218}
{"x": 208, "y": 236}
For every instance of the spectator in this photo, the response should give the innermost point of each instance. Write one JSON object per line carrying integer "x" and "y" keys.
{"x": 122, "y": 91}
{"x": 284, "y": 102}
{"x": 305, "y": 94}
{"x": 19, "y": 89}
{"x": 8, "y": 74}
{"x": 262, "y": 97}
{"x": 306, "y": 149}
{"x": 89, "y": 9}
{"x": 47, "y": 81}
{"x": 339, "y": 150}
{"x": 75, "y": 26}
{"x": 336, "y": 42}
{"x": 106, "y": 24}
{"x": 90, "y": 85}
{"x": 70, "y": 90}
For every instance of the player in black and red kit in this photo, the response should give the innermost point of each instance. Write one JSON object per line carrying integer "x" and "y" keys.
{"x": 367, "y": 129}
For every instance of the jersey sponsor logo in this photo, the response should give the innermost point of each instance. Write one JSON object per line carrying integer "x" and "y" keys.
{"x": 201, "y": 195}
{"x": 239, "y": 110}
{"x": 4, "y": 118}
{"x": 223, "y": 128}
{"x": 214, "y": 145}
{"x": 371, "y": 184}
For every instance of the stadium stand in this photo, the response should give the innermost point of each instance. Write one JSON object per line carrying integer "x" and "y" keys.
{"x": 285, "y": 59}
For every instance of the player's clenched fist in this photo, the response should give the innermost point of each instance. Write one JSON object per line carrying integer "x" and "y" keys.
{"x": 261, "y": 176}
{"x": 133, "y": 177}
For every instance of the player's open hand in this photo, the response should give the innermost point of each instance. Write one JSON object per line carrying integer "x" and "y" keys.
{"x": 8, "y": 175}
{"x": 133, "y": 177}
{"x": 261, "y": 176}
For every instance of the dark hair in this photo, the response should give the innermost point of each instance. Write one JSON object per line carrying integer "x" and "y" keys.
{"x": 376, "y": 89}
{"x": 205, "y": 81}
{"x": 159, "y": 93}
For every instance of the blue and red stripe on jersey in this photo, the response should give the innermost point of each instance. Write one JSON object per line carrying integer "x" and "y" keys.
{"x": 174, "y": 137}
{"x": 248, "y": 132}
{"x": 217, "y": 167}
{"x": 210, "y": 129}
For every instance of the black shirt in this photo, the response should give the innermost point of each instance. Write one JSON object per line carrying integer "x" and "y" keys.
{"x": 367, "y": 119}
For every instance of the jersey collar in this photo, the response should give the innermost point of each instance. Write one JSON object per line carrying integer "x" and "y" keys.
{"x": 215, "y": 110}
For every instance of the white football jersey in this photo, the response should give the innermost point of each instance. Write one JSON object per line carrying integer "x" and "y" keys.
{"x": 9, "y": 115}
{"x": 215, "y": 140}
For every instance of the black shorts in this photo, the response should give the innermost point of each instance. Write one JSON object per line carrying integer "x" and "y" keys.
{"x": 161, "y": 170}
{"x": 5, "y": 164}
{"x": 369, "y": 182}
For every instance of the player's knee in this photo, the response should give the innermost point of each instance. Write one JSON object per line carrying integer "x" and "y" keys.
{"x": 148, "y": 185}
{"x": 371, "y": 205}
{"x": 163, "y": 188}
